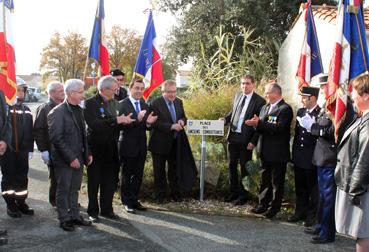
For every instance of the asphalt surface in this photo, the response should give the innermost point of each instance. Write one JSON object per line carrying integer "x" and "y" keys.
{"x": 150, "y": 230}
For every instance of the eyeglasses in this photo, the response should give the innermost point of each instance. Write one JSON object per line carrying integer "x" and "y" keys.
{"x": 80, "y": 92}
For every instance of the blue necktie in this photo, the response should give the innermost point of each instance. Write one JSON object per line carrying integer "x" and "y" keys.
{"x": 137, "y": 108}
{"x": 172, "y": 111}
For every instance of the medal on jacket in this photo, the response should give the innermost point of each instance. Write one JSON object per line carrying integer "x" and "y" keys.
{"x": 272, "y": 119}
{"x": 102, "y": 112}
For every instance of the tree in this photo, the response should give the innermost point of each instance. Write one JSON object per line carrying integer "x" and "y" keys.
{"x": 123, "y": 46}
{"x": 64, "y": 57}
{"x": 199, "y": 20}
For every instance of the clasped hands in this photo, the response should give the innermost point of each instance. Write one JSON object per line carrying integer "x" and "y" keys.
{"x": 253, "y": 122}
{"x": 306, "y": 121}
{"x": 178, "y": 126}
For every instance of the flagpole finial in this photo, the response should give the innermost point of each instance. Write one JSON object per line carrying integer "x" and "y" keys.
{"x": 153, "y": 4}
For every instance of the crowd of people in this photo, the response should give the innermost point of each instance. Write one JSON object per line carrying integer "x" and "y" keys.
{"x": 107, "y": 134}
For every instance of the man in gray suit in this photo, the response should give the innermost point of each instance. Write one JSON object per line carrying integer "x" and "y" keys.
{"x": 69, "y": 151}
{"x": 241, "y": 138}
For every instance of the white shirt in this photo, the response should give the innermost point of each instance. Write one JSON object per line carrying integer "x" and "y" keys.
{"x": 133, "y": 103}
{"x": 273, "y": 105}
{"x": 243, "y": 111}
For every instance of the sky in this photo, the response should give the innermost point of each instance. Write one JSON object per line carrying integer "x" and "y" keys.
{"x": 35, "y": 21}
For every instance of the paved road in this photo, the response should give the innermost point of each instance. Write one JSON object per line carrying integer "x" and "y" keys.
{"x": 150, "y": 231}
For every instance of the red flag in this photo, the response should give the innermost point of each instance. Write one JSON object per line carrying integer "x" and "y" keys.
{"x": 350, "y": 59}
{"x": 148, "y": 64}
{"x": 310, "y": 61}
{"x": 98, "y": 48}
{"x": 7, "y": 55}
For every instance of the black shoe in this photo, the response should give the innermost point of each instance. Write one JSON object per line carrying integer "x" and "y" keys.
{"x": 176, "y": 198}
{"x": 231, "y": 198}
{"x": 159, "y": 200}
{"x": 3, "y": 241}
{"x": 3, "y": 232}
{"x": 111, "y": 216}
{"x": 311, "y": 231}
{"x": 93, "y": 219}
{"x": 25, "y": 209}
{"x": 13, "y": 213}
{"x": 240, "y": 201}
{"x": 309, "y": 222}
{"x": 138, "y": 206}
{"x": 129, "y": 209}
{"x": 259, "y": 209}
{"x": 67, "y": 226}
{"x": 321, "y": 240}
{"x": 270, "y": 213}
{"x": 82, "y": 222}
{"x": 296, "y": 217}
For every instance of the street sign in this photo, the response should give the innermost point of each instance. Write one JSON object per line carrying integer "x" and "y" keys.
{"x": 205, "y": 127}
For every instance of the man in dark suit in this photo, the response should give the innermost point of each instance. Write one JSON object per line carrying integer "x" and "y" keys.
{"x": 163, "y": 139}
{"x": 133, "y": 145}
{"x": 241, "y": 138}
{"x": 121, "y": 92}
{"x": 69, "y": 152}
{"x": 273, "y": 125}
{"x": 302, "y": 153}
{"x": 56, "y": 94}
{"x": 103, "y": 125}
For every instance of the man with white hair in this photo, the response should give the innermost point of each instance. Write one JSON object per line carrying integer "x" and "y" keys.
{"x": 69, "y": 152}
{"x": 103, "y": 125}
{"x": 55, "y": 91}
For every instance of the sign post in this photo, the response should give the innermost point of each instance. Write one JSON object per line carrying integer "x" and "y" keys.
{"x": 204, "y": 128}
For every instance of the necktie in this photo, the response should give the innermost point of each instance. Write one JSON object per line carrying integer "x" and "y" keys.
{"x": 238, "y": 112}
{"x": 270, "y": 108}
{"x": 172, "y": 111}
{"x": 137, "y": 108}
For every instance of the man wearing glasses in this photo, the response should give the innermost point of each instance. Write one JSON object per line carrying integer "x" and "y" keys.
{"x": 163, "y": 140}
{"x": 103, "y": 125}
{"x": 121, "y": 92}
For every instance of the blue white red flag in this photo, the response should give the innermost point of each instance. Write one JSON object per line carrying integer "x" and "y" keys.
{"x": 310, "y": 63}
{"x": 98, "y": 46}
{"x": 350, "y": 58}
{"x": 148, "y": 64}
{"x": 7, "y": 54}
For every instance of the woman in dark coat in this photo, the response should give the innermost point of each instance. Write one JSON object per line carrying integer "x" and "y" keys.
{"x": 352, "y": 171}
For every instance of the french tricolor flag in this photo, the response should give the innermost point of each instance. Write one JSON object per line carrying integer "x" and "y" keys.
{"x": 310, "y": 63}
{"x": 7, "y": 54}
{"x": 98, "y": 46}
{"x": 350, "y": 58}
{"x": 148, "y": 64}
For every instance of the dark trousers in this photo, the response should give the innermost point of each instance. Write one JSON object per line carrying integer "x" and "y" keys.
{"x": 238, "y": 154}
{"x": 160, "y": 178}
{"x": 327, "y": 196}
{"x": 306, "y": 189}
{"x": 14, "y": 184}
{"x": 53, "y": 183}
{"x": 272, "y": 185}
{"x": 103, "y": 175}
{"x": 68, "y": 185}
{"x": 132, "y": 173}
